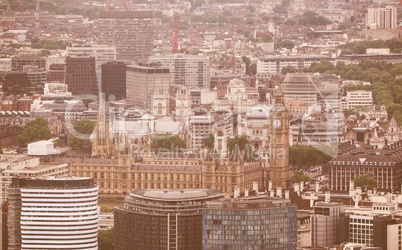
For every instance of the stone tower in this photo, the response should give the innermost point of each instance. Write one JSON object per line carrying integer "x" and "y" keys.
{"x": 279, "y": 142}
{"x": 101, "y": 145}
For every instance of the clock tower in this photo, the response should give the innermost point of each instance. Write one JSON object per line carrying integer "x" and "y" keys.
{"x": 279, "y": 142}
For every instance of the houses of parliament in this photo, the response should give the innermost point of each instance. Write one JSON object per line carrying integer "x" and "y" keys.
{"x": 121, "y": 173}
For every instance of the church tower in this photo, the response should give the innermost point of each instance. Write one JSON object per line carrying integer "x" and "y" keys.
{"x": 279, "y": 142}
{"x": 101, "y": 145}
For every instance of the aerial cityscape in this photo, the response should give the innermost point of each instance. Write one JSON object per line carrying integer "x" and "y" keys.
{"x": 201, "y": 124}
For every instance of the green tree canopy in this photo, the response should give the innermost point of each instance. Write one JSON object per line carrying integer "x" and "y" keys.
{"x": 238, "y": 143}
{"x": 105, "y": 239}
{"x": 298, "y": 176}
{"x": 301, "y": 156}
{"x": 209, "y": 141}
{"x": 366, "y": 180}
{"x": 168, "y": 142}
{"x": 35, "y": 130}
{"x": 84, "y": 127}
{"x": 286, "y": 43}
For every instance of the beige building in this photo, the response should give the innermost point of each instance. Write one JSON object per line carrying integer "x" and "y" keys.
{"x": 143, "y": 82}
{"x": 131, "y": 32}
{"x": 381, "y": 18}
{"x": 119, "y": 177}
{"x": 102, "y": 53}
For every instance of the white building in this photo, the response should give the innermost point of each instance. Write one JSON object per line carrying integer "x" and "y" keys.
{"x": 186, "y": 70}
{"x": 53, "y": 214}
{"x": 102, "y": 53}
{"x": 381, "y": 18}
{"x": 358, "y": 98}
{"x": 275, "y": 64}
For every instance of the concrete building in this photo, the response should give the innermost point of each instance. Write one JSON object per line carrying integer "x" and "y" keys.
{"x": 53, "y": 214}
{"x": 275, "y": 64}
{"x": 101, "y": 53}
{"x": 186, "y": 70}
{"x": 250, "y": 223}
{"x": 114, "y": 80}
{"x": 385, "y": 164}
{"x": 57, "y": 72}
{"x": 81, "y": 76}
{"x": 327, "y": 224}
{"x": 131, "y": 32}
{"x": 37, "y": 76}
{"x": 373, "y": 225}
{"x": 144, "y": 82}
{"x": 300, "y": 86}
{"x": 381, "y": 17}
{"x": 199, "y": 127}
{"x": 20, "y": 60}
{"x": 18, "y": 83}
{"x": 358, "y": 99}
{"x": 162, "y": 219}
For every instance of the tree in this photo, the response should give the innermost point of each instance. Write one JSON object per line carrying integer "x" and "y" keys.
{"x": 105, "y": 239}
{"x": 209, "y": 141}
{"x": 366, "y": 180}
{"x": 288, "y": 69}
{"x": 252, "y": 69}
{"x": 106, "y": 209}
{"x": 168, "y": 142}
{"x": 86, "y": 102}
{"x": 298, "y": 176}
{"x": 85, "y": 128}
{"x": 35, "y": 130}
{"x": 284, "y": 44}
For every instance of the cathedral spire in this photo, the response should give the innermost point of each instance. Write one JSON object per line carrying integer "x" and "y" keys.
{"x": 101, "y": 144}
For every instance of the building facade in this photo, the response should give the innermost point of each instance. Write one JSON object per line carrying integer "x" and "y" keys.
{"x": 275, "y": 64}
{"x": 381, "y": 18}
{"x": 20, "y": 60}
{"x": 162, "y": 219}
{"x": 358, "y": 98}
{"x": 186, "y": 70}
{"x": 80, "y": 75}
{"x": 250, "y": 224}
{"x": 384, "y": 164}
{"x": 114, "y": 80}
{"x": 101, "y": 53}
{"x": 144, "y": 82}
{"x": 326, "y": 224}
{"x": 53, "y": 214}
{"x": 131, "y": 32}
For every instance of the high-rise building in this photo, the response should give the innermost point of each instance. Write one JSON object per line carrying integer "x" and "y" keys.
{"x": 186, "y": 70}
{"x": 114, "y": 80}
{"x": 16, "y": 83}
{"x": 102, "y": 53}
{"x": 57, "y": 72}
{"x": 81, "y": 76}
{"x": 326, "y": 224}
{"x": 381, "y": 17}
{"x": 250, "y": 223}
{"x": 279, "y": 142}
{"x": 143, "y": 82}
{"x": 162, "y": 219}
{"x": 53, "y": 214}
{"x": 131, "y": 32}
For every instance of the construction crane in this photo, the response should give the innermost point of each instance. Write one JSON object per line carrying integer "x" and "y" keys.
{"x": 176, "y": 31}
{"x": 7, "y": 24}
{"x": 126, "y": 5}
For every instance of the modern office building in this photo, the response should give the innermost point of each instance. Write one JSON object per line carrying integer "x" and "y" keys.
{"x": 20, "y": 60}
{"x": 57, "y": 72}
{"x": 162, "y": 219}
{"x": 381, "y": 17}
{"x": 373, "y": 226}
{"x": 186, "y": 70}
{"x": 201, "y": 125}
{"x": 18, "y": 83}
{"x": 144, "y": 82}
{"x": 300, "y": 86}
{"x": 275, "y": 64}
{"x": 53, "y": 214}
{"x": 351, "y": 161}
{"x": 250, "y": 223}
{"x": 131, "y": 32}
{"x": 81, "y": 76}
{"x": 114, "y": 80}
{"x": 101, "y": 53}
{"x": 357, "y": 99}
{"x": 37, "y": 76}
{"x": 327, "y": 224}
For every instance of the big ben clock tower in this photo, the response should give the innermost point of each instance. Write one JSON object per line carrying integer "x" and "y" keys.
{"x": 279, "y": 142}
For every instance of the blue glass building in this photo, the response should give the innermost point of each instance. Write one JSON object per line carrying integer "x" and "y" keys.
{"x": 250, "y": 224}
